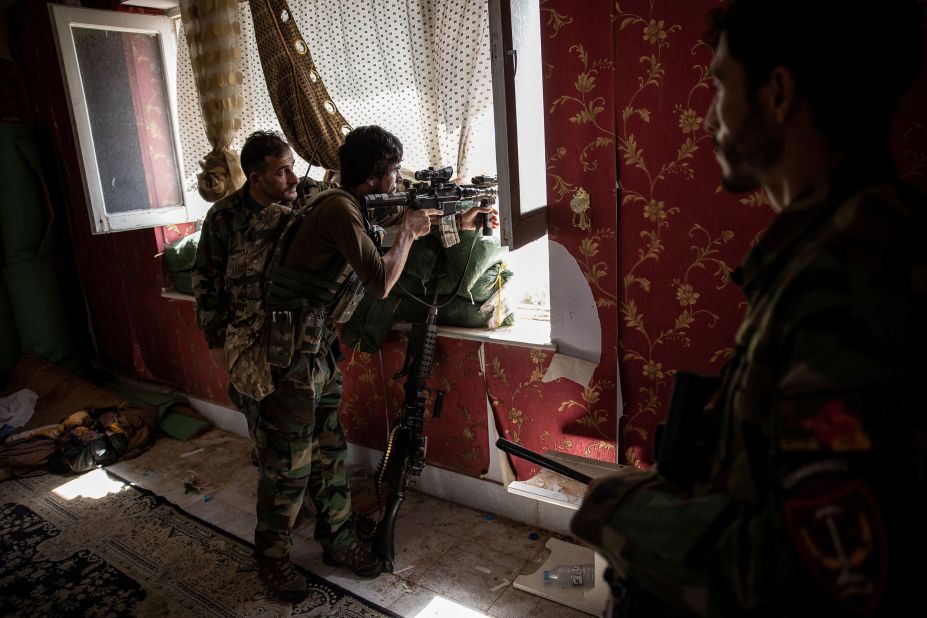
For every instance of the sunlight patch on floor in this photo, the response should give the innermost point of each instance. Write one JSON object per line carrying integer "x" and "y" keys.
{"x": 94, "y": 484}
{"x": 445, "y": 608}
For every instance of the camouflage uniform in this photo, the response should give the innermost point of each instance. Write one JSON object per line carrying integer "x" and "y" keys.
{"x": 293, "y": 423}
{"x": 813, "y": 502}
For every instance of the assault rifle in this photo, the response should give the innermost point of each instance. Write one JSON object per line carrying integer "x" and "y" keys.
{"x": 438, "y": 193}
{"x": 405, "y": 452}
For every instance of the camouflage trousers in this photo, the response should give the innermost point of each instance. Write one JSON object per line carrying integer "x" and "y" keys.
{"x": 301, "y": 449}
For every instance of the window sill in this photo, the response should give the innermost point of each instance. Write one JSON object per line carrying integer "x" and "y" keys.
{"x": 524, "y": 333}
{"x": 553, "y": 488}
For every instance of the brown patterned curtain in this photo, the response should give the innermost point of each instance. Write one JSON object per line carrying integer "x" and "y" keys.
{"x": 211, "y": 28}
{"x": 309, "y": 119}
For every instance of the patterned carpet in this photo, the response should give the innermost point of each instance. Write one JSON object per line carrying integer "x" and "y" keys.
{"x": 97, "y": 546}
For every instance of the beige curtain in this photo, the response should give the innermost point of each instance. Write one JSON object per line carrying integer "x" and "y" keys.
{"x": 211, "y": 28}
{"x": 309, "y": 119}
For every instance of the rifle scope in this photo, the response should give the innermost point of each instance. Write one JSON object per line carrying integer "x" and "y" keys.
{"x": 443, "y": 174}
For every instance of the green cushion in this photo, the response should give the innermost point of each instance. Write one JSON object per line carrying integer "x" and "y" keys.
{"x": 183, "y": 281}
{"x": 181, "y": 254}
{"x": 182, "y": 427}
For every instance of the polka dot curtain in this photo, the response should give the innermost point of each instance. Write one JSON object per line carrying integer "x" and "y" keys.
{"x": 419, "y": 68}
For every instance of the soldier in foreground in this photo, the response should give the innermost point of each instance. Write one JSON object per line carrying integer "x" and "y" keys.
{"x": 810, "y": 497}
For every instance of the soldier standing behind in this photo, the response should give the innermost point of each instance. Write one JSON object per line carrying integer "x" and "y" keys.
{"x": 811, "y": 499}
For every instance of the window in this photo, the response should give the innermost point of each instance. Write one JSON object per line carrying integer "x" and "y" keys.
{"x": 383, "y": 72}
{"x": 119, "y": 77}
{"x": 515, "y": 31}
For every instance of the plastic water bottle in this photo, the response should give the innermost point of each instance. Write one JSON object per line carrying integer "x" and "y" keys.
{"x": 571, "y": 575}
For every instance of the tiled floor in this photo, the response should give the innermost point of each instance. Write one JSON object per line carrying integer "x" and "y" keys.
{"x": 450, "y": 560}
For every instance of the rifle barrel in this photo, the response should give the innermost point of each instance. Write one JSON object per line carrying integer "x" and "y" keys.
{"x": 545, "y": 462}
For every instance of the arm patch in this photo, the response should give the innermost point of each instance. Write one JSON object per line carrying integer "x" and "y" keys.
{"x": 839, "y": 534}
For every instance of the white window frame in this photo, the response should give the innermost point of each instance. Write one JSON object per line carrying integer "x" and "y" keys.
{"x": 64, "y": 18}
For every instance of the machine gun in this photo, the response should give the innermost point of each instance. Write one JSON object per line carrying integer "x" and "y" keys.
{"x": 405, "y": 452}
{"x": 436, "y": 191}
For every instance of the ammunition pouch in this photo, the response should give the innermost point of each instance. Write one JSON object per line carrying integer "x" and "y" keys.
{"x": 312, "y": 331}
{"x": 296, "y": 302}
{"x": 348, "y": 299}
{"x": 280, "y": 338}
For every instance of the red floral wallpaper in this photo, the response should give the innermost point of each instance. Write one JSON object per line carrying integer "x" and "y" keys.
{"x": 372, "y": 400}
{"x": 679, "y": 235}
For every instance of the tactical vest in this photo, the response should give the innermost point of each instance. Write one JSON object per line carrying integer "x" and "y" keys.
{"x": 245, "y": 282}
{"x": 298, "y": 308}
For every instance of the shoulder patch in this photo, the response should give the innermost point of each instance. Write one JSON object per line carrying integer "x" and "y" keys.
{"x": 817, "y": 423}
{"x": 841, "y": 539}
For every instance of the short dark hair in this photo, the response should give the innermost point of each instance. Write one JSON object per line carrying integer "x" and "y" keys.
{"x": 261, "y": 144}
{"x": 367, "y": 152}
{"x": 852, "y": 61}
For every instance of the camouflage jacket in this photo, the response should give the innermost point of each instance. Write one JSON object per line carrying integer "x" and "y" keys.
{"x": 237, "y": 237}
{"x": 814, "y": 503}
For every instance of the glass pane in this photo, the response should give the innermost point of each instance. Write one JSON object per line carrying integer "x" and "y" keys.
{"x": 126, "y": 99}
{"x": 529, "y": 103}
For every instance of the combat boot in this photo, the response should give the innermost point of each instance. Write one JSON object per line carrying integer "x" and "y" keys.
{"x": 282, "y": 579}
{"x": 361, "y": 562}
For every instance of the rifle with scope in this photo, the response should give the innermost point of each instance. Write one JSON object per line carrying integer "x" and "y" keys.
{"x": 435, "y": 190}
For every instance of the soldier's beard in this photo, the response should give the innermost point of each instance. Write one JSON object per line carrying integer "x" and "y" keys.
{"x": 753, "y": 147}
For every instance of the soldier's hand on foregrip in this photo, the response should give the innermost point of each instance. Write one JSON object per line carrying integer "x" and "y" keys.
{"x": 418, "y": 222}
{"x": 470, "y": 219}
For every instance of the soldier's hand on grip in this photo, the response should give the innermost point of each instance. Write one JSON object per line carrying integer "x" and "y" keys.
{"x": 469, "y": 218}
{"x": 418, "y": 222}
